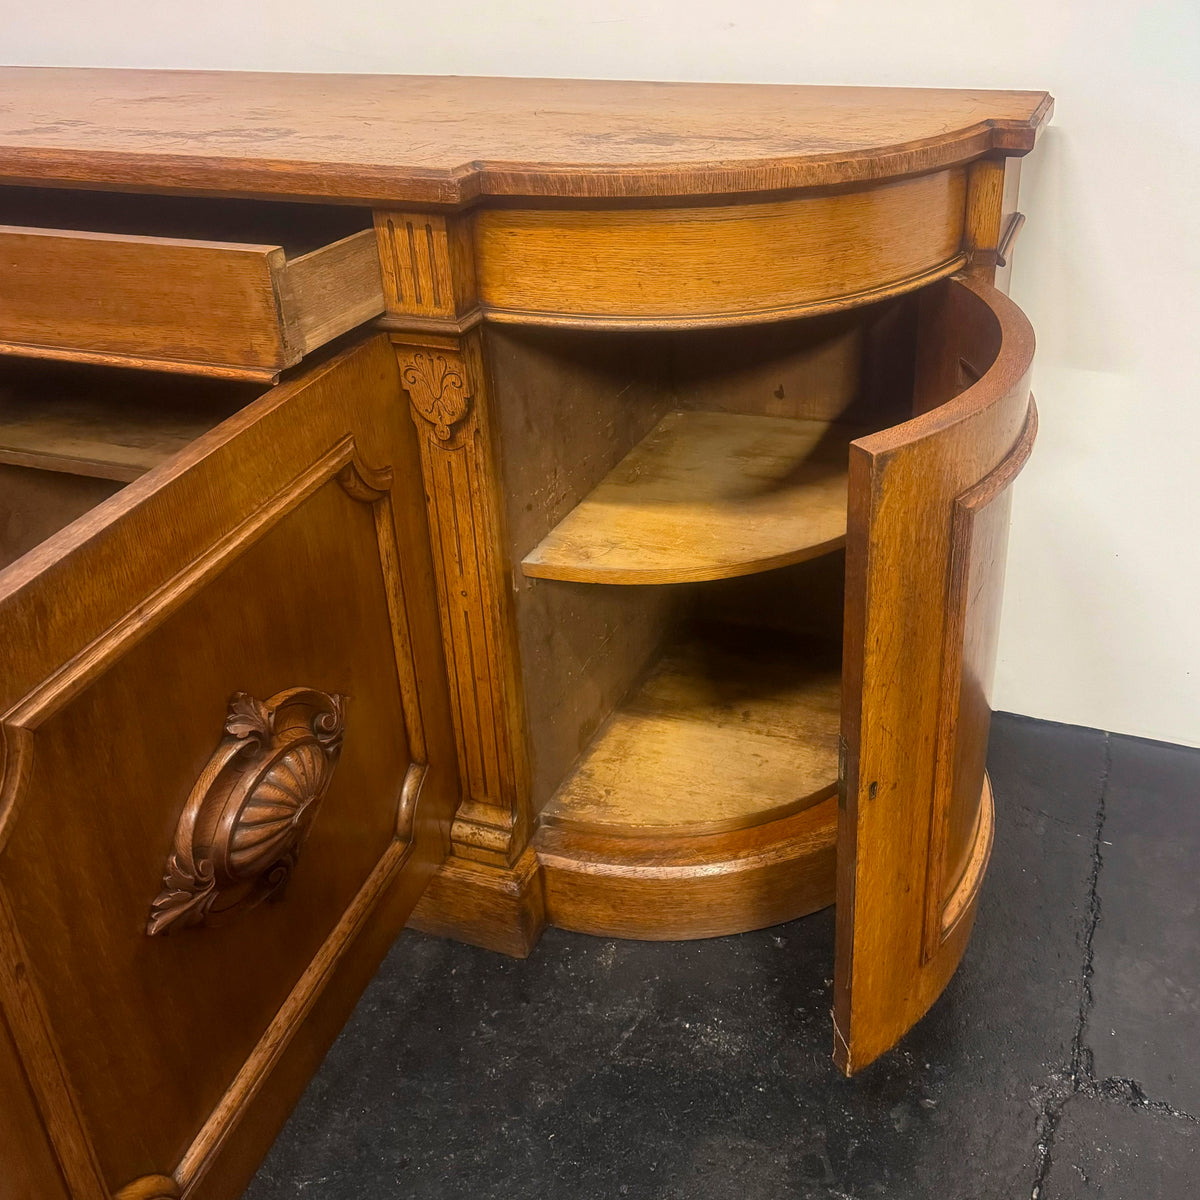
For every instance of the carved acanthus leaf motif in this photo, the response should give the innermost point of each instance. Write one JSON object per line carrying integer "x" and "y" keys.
{"x": 437, "y": 390}
{"x": 249, "y": 812}
{"x": 247, "y": 717}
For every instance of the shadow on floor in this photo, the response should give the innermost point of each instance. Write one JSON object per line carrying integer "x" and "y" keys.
{"x": 1061, "y": 1062}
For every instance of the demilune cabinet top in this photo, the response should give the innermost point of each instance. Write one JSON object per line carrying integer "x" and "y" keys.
{"x": 447, "y": 140}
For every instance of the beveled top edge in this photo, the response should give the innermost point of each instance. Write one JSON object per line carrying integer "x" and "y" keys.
{"x": 447, "y": 141}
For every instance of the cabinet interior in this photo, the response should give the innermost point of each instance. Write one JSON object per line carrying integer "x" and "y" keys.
{"x": 297, "y": 228}
{"x": 71, "y": 436}
{"x": 676, "y": 512}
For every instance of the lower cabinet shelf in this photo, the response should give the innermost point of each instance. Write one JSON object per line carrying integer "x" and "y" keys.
{"x": 705, "y": 804}
{"x": 730, "y": 728}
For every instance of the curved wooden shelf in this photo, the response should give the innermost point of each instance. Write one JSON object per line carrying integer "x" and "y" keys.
{"x": 706, "y": 495}
{"x": 730, "y": 730}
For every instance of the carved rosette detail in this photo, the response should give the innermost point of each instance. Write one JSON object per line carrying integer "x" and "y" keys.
{"x": 251, "y": 809}
{"x": 437, "y": 390}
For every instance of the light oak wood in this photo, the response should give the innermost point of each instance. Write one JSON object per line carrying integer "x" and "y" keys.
{"x": 428, "y": 266}
{"x": 498, "y": 908}
{"x": 924, "y": 570}
{"x": 679, "y": 267}
{"x": 182, "y": 304}
{"x": 667, "y": 889}
{"x": 446, "y": 385}
{"x": 114, "y": 425}
{"x": 450, "y": 140}
{"x": 559, "y": 264}
{"x": 572, "y": 406}
{"x": 728, "y": 730}
{"x": 706, "y": 496}
{"x": 283, "y": 546}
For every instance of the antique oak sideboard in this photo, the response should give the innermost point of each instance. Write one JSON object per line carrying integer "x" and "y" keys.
{"x": 482, "y": 503}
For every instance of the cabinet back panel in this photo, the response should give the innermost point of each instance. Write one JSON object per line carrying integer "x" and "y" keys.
{"x": 854, "y": 367}
{"x": 34, "y": 504}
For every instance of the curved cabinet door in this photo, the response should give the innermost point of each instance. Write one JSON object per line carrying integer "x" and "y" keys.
{"x": 928, "y": 525}
{"x": 227, "y": 774}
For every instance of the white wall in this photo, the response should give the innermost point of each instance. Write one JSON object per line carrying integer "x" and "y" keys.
{"x": 1102, "y": 616}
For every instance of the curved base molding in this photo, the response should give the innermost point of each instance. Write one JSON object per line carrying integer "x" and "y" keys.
{"x": 668, "y": 889}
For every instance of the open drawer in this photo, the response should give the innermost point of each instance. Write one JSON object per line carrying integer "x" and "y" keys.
{"x": 228, "y": 768}
{"x": 230, "y": 287}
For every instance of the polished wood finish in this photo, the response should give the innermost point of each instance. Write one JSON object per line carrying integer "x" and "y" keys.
{"x": 664, "y": 889}
{"x": 325, "y": 582}
{"x": 924, "y": 570}
{"x": 715, "y": 265}
{"x": 706, "y": 496}
{"x": 31, "y": 1171}
{"x": 252, "y": 808}
{"x": 728, "y": 730}
{"x": 180, "y": 304}
{"x": 452, "y": 140}
{"x": 446, "y": 386}
{"x": 498, "y": 908}
{"x": 292, "y": 531}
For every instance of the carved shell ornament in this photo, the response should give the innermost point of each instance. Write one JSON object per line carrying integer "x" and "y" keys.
{"x": 252, "y": 807}
{"x": 437, "y": 391}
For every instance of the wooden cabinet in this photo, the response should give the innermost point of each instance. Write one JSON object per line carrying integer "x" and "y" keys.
{"x": 410, "y": 498}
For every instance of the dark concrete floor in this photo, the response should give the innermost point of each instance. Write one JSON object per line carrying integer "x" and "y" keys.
{"x": 1062, "y": 1061}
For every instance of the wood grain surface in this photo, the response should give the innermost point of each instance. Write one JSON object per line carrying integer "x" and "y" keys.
{"x": 284, "y": 547}
{"x": 106, "y": 424}
{"x": 924, "y": 571}
{"x": 187, "y": 303}
{"x": 664, "y": 889}
{"x": 718, "y": 264}
{"x": 724, "y": 733}
{"x": 706, "y": 496}
{"x": 448, "y": 140}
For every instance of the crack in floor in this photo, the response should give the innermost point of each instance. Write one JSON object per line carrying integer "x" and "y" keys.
{"x": 1116, "y": 1090}
{"x": 1079, "y": 1077}
{"x": 1079, "y": 1070}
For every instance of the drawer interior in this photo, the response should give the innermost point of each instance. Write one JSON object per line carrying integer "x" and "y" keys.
{"x": 71, "y": 436}
{"x": 297, "y": 228}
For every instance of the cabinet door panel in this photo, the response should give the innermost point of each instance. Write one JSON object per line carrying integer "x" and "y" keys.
{"x": 251, "y": 621}
{"x": 928, "y": 523}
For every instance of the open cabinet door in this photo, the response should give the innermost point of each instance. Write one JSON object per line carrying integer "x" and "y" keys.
{"x": 928, "y": 529}
{"x": 227, "y": 771}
